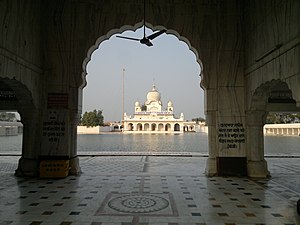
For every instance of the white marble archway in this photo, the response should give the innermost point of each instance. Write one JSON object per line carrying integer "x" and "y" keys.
{"x": 274, "y": 95}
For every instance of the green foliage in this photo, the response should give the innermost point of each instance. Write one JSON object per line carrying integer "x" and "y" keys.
{"x": 199, "y": 119}
{"x": 6, "y": 116}
{"x": 283, "y": 118}
{"x": 92, "y": 119}
{"x": 144, "y": 107}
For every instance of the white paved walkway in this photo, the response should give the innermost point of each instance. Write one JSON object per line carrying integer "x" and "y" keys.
{"x": 148, "y": 190}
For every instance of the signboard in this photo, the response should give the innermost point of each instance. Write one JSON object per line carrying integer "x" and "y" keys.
{"x": 8, "y": 95}
{"x": 231, "y": 134}
{"x": 54, "y": 130}
{"x": 58, "y": 100}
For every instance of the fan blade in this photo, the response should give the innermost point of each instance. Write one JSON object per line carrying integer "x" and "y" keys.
{"x": 129, "y": 38}
{"x": 156, "y": 34}
{"x": 149, "y": 44}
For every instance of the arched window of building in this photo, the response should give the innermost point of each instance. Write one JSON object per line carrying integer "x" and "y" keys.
{"x": 153, "y": 127}
{"x": 130, "y": 127}
{"x": 146, "y": 127}
{"x": 140, "y": 127}
{"x": 176, "y": 127}
{"x": 167, "y": 127}
{"x": 160, "y": 127}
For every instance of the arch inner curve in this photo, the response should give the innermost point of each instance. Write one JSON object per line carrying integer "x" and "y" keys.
{"x": 134, "y": 28}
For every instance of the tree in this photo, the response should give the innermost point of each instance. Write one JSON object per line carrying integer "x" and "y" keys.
{"x": 283, "y": 118}
{"x": 92, "y": 119}
{"x": 7, "y": 116}
{"x": 144, "y": 107}
{"x": 199, "y": 119}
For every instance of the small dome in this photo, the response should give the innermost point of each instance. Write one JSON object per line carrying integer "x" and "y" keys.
{"x": 153, "y": 95}
{"x": 170, "y": 104}
{"x": 137, "y": 104}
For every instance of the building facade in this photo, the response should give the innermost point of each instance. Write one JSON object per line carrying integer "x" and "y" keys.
{"x": 152, "y": 118}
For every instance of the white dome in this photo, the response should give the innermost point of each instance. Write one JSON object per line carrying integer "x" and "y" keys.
{"x": 153, "y": 95}
{"x": 137, "y": 104}
{"x": 170, "y": 104}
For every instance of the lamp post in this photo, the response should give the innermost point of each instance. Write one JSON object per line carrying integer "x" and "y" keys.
{"x": 123, "y": 89}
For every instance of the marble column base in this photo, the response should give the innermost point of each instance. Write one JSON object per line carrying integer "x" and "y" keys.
{"x": 211, "y": 167}
{"x": 74, "y": 166}
{"x": 258, "y": 169}
{"x": 30, "y": 167}
{"x": 27, "y": 168}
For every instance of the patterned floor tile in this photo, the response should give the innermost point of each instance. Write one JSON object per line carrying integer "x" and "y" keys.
{"x": 171, "y": 191}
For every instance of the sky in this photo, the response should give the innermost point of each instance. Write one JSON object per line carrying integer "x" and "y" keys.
{"x": 169, "y": 64}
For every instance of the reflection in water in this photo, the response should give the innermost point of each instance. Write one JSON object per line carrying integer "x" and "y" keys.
{"x": 188, "y": 142}
{"x": 191, "y": 142}
{"x": 282, "y": 145}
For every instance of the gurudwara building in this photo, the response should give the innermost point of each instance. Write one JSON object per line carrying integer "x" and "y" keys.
{"x": 152, "y": 118}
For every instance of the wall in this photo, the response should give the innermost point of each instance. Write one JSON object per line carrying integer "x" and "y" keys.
{"x": 21, "y": 44}
{"x": 93, "y": 130}
{"x": 272, "y": 45}
{"x": 88, "y": 130}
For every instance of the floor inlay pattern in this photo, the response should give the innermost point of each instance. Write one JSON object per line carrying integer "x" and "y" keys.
{"x": 170, "y": 191}
{"x": 138, "y": 203}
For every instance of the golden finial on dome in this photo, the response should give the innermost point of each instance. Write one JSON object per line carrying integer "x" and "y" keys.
{"x": 154, "y": 86}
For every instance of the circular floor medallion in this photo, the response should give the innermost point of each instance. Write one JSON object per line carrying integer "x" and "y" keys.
{"x": 138, "y": 203}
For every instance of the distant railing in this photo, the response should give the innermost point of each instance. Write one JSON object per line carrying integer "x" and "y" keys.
{"x": 292, "y": 129}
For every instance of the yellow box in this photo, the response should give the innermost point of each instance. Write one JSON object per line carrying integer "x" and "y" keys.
{"x": 54, "y": 168}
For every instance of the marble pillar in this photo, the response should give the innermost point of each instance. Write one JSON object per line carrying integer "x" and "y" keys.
{"x": 59, "y": 136}
{"x": 211, "y": 163}
{"x": 28, "y": 164}
{"x": 256, "y": 164}
{"x": 74, "y": 160}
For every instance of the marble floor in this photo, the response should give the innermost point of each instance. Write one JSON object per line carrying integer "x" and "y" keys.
{"x": 148, "y": 190}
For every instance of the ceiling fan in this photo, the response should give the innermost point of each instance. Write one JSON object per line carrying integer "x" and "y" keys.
{"x": 146, "y": 40}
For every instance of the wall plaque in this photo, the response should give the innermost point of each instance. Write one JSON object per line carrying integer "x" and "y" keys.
{"x": 231, "y": 134}
{"x": 58, "y": 100}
